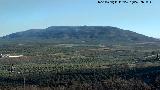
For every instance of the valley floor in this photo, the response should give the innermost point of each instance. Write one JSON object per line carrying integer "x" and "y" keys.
{"x": 80, "y": 66}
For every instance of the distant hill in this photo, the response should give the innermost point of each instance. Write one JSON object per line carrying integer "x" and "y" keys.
{"x": 100, "y": 34}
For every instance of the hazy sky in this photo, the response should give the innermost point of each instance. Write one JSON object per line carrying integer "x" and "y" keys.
{"x": 20, "y": 15}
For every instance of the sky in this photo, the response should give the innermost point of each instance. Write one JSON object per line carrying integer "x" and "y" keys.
{"x": 21, "y": 15}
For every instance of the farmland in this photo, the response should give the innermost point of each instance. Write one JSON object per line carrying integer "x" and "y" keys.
{"x": 80, "y": 66}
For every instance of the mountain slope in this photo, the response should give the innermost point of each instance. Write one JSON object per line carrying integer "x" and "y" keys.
{"x": 80, "y": 33}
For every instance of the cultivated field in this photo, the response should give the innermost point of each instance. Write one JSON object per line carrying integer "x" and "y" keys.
{"x": 80, "y": 66}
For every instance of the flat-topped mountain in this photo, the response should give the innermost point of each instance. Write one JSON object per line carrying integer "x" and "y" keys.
{"x": 80, "y": 34}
